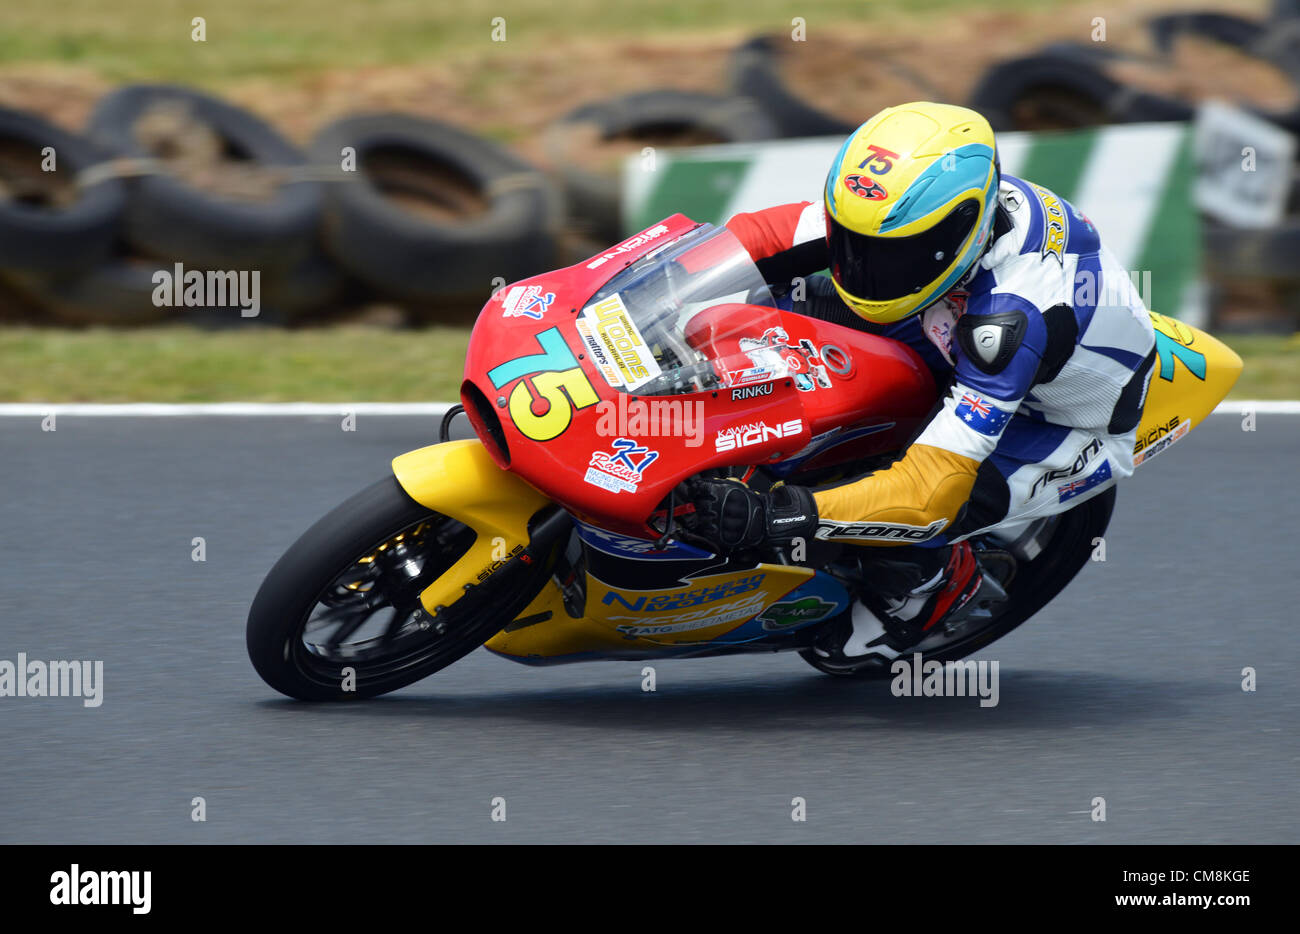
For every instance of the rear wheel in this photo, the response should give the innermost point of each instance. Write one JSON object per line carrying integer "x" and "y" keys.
{"x": 1036, "y": 583}
{"x": 339, "y": 615}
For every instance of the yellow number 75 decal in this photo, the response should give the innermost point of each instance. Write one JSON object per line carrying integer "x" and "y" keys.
{"x": 557, "y": 380}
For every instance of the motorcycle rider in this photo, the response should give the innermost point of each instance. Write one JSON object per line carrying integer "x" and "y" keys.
{"x": 1008, "y": 294}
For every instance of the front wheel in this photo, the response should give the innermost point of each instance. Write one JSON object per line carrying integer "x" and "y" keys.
{"x": 339, "y": 615}
{"x": 1036, "y": 583}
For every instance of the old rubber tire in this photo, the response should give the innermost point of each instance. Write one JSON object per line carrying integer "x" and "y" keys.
{"x": 594, "y": 198}
{"x": 753, "y": 73}
{"x": 168, "y": 218}
{"x": 71, "y": 238}
{"x": 490, "y": 215}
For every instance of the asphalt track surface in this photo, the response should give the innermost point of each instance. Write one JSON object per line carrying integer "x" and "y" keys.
{"x": 1128, "y": 687}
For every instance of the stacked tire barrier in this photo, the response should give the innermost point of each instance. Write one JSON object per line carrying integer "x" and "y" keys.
{"x": 380, "y": 207}
{"x": 394, "y": 209}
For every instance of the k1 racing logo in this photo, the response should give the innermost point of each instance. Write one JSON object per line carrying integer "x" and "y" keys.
{"x": 526, "y": 301}
{"x": 623, "y": 468}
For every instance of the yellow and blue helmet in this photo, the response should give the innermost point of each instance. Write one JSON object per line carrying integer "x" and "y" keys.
{"x": 910, "y": 201}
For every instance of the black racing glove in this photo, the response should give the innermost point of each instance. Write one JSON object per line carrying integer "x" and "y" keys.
{"x": 729, "y": 516}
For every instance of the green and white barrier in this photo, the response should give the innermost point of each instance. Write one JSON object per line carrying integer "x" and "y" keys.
{"x": 1134, "y": 182}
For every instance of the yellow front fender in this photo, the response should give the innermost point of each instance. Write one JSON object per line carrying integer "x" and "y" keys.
{"x": 459, "y": 479}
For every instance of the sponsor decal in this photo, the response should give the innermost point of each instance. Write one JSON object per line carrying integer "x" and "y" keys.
{"x": 596, "y": 351}
{"x": 795, "y": 613}
{"x": 1081, "y": 462}
{"x": 654, "y": 233}
{"x": 693, "y": 619}
{"x": 497, "y": 565}
{"x": 880, "y": 161}
{"x": 879, "y": 531}
{"x": 629, "y": 361}
{"x": 939, "y": 320}
{"x": 742, "y": 436}
{"x": 981, "y": 414}
{"x": 865, "y": 187}
{"x": 752, "y": 375}
{"x": 1054, "y": 232}
{"x": 526, "y": 301}
{"x": 637, "y": 549}
{"x": 1068, "y": 491}
{"x": 622, "y": 468}
{"x": 658, "y": 603}
{"x": 773, "y": 357}
{"x": 752, "y": 392}
{"x": 1159, "y": 438}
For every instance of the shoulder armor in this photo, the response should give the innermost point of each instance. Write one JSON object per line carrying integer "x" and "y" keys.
{"x": 990, "y": 341}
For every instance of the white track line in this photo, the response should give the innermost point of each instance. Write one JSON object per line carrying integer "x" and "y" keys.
{"x": 436, "y": 409}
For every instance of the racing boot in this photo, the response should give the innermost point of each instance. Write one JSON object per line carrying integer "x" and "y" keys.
{"x": 910, "y": 595}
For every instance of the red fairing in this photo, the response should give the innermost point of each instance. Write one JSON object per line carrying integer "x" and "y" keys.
{"x": 538, "y": 398}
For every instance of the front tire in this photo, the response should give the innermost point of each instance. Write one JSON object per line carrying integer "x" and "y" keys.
{"x": 345, "y": 596}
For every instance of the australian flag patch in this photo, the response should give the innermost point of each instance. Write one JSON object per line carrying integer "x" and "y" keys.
{"x": 1067, "y": 491}
{"x": 981, "y": 414}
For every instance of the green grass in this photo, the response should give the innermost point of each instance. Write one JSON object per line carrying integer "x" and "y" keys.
{"x": 346, "y": 364}
{"x": 1272, "y": 366}
{"x": 150, "y": 39}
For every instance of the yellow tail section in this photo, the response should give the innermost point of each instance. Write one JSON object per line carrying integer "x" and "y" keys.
{"x": 1193, "y": 373}
{"x": 459, "y": 479}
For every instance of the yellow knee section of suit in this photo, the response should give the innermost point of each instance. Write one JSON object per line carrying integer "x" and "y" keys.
{"x": 928, "y": 484}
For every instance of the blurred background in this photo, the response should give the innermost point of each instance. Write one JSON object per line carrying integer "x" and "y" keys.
{"x": 385, "y": 166}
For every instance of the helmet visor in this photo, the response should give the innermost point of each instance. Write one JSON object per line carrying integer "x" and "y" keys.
{"x": 883, "y": 268}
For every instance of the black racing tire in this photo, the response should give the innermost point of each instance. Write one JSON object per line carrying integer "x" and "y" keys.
{"x": 168, "y": 218}
{"x": 291, "y": 590}
{"x": 1051, "y": 90}
{"x": 485, "y": 214}
{"x": 753, "y": 73}
{"x": 666, "y": 117}
{"x": 1036, "y": 584}
{"x": 69, "y": 238}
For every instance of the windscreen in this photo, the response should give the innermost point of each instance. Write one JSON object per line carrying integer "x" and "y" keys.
{"x": 680, "y": 319}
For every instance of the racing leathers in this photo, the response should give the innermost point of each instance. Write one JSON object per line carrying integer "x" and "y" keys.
{"x": 1048, "y": 349}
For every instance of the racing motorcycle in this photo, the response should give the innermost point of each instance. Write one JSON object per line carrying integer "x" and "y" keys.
{"x": 561, "y": 532}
